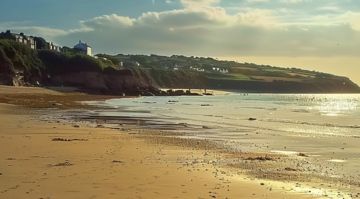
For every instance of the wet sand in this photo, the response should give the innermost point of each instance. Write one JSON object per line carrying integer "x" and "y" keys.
{"x": 54, "y": 159}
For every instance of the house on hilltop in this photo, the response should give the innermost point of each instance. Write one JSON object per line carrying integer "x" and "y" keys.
{"x": 26, "y": 40}
{"x": 35, "y": 43}
{"x": 52, "y": 46}
{"x": 84, "y": 48}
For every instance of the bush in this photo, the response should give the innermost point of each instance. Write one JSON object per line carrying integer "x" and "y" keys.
{"x": 21, "y": 57}
{"x": 60, "y": 63}
{"x": 110, "y": 58}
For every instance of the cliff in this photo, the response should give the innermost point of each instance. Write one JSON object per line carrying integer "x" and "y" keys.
{"x": 199, "y": 72}
{"x": 22, "y": 66}
{"x": 141, "y": 74}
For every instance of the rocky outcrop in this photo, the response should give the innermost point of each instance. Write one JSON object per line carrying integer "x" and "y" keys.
{"x": 88, "y": 80}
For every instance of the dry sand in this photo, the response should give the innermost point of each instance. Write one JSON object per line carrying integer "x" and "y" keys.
{"x": 54, "y": 160}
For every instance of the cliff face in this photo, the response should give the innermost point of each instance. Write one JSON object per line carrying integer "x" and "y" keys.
{"x": 116, "y": 82}
{"x": 6, "y": 69}
{"x": 186, "y": 79}
{"x": 176, "y": 79}
{"x": 21, "y": 66}
{"x": 200, "y": 72}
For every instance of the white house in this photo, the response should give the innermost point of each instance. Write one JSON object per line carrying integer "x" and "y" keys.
{"x": 84, "y": 48}
{"x": 53, "y": 47}
{"x": 197, "y": 69}
{"x": 27, "y": 40}
{"x": 224, "y": 71}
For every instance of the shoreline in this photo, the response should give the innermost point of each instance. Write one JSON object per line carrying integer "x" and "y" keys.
{"x": 73, "y": 148}
{"x": 275, "y": 169}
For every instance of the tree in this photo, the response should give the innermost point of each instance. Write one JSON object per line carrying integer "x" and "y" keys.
{"x": 7, "y": 35}
{"x": 41, "y": 43}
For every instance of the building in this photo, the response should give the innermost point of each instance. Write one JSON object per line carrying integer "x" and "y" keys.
{"x": 221, "y": 70}
{"x": 35, "y": 43}
{"x": 197, "y": 69}
{"x": 27, "y": 40}
{"x": 84, "y": 48}
{"x": 52, "y": 46}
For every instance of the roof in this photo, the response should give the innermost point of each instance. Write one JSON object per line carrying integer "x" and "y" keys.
{"x": 81, "y": 45}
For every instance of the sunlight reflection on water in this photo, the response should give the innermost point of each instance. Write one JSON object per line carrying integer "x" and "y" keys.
{"x": 306, "y": 114}
{"x": 335, "y": 105}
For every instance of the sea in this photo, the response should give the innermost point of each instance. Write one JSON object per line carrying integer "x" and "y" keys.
{"x": 325, "y": 127}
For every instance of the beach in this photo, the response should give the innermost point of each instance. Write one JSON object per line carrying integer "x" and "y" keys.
{"x": 47, "y": 158}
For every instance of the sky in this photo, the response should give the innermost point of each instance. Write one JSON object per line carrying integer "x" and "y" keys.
{"x": 321, "y": 35}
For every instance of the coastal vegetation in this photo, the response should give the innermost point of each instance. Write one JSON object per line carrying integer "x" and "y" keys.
{"x": 18, "y": 63}
{"x": 142, "y": 74}
{"x": 199, "y": 72}
{"x": 60, "y": 63}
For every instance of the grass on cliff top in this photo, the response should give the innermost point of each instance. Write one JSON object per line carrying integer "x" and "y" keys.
{"x": 19, "y": 56}
{"x": 71, "y": 61}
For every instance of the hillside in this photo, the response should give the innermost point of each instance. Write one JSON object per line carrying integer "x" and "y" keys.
{"x": 22, "y": 66}
{"x": 142, "y": 74}
{"x": 198, "y": 72}
{"x": 19, "y": 65}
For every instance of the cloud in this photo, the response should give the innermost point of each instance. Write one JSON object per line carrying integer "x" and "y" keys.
{"x": 209, "y": 30}
{"x": 331, "y": 9}
{"x": 353, "y": 19}
{"x": 258, "y": 17}
{"x": 108, "y": 21}
{"x": 213, "y": 32}
{"x": 198, "y": 3}
{"x": 258, "y": 1}
{"x": 293, "y": 1}
{"x": 47, "y": 32}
